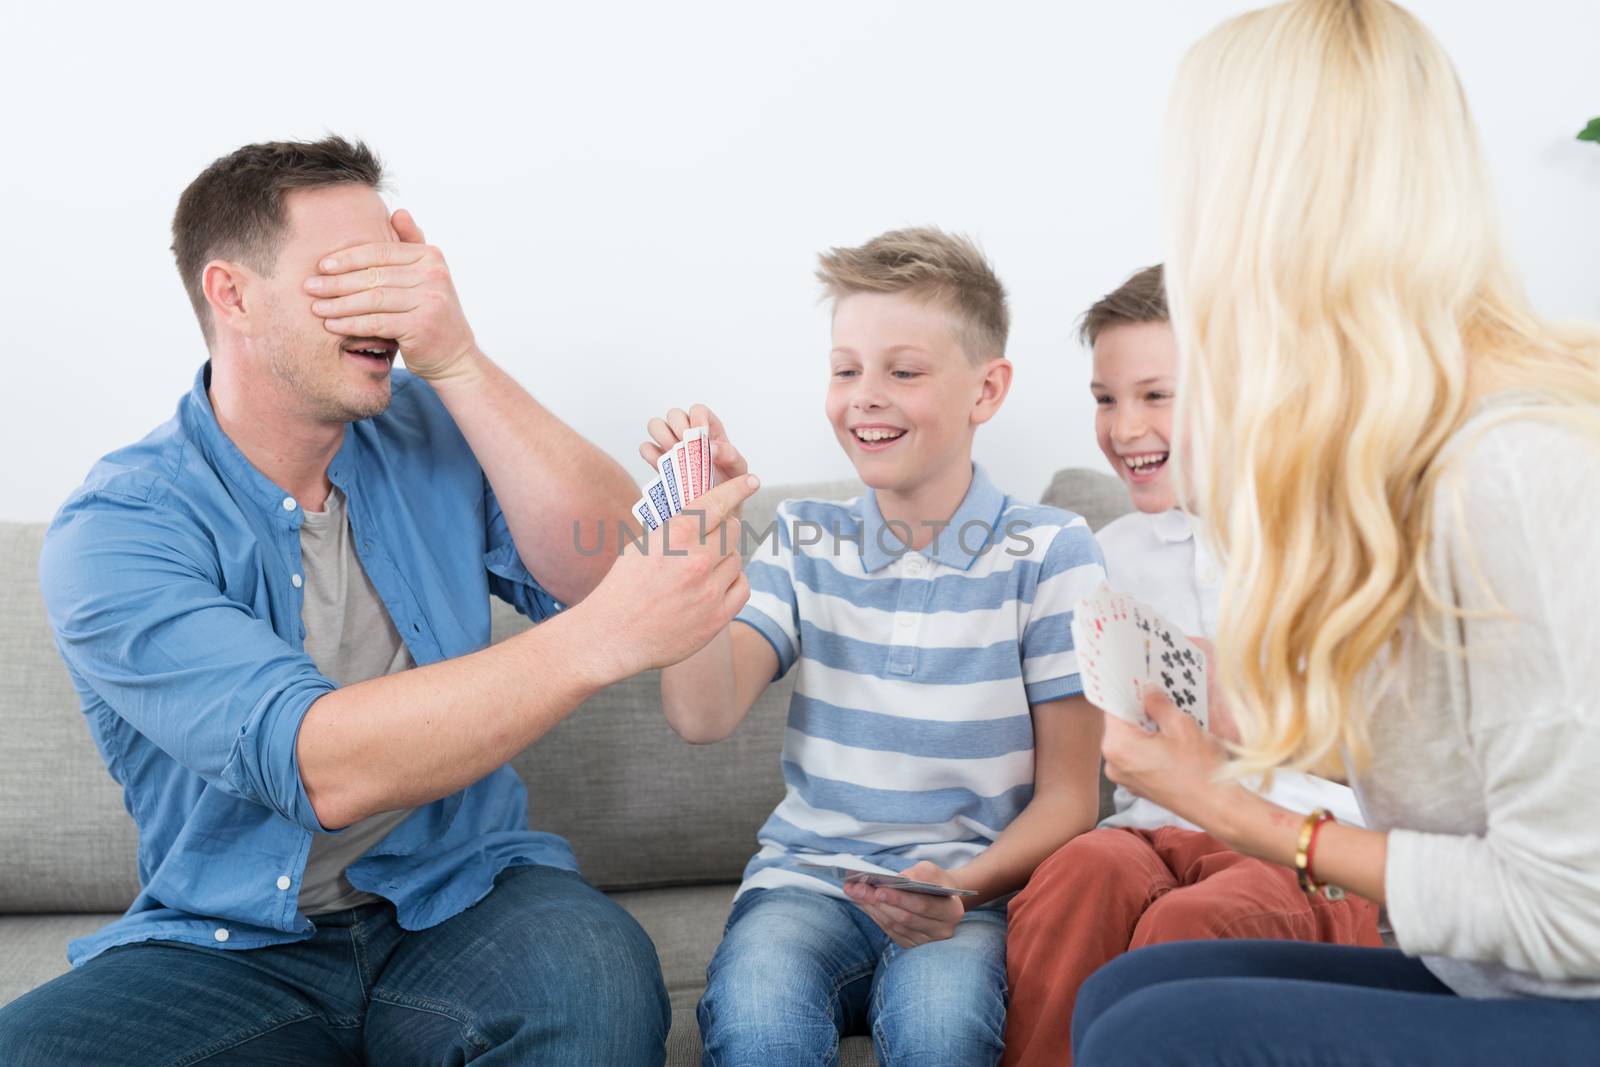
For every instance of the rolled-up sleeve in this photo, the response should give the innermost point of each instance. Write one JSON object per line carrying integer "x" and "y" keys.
{"x": 136, "y": 603}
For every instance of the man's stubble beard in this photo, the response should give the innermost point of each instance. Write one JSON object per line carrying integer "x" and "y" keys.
{"x": 316, "y": 385}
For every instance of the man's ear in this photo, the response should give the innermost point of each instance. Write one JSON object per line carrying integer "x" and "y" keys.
{"x": 228, "y": 291}
{"x": 996, "y": 383}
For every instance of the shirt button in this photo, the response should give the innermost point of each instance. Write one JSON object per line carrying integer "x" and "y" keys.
{"x": 904, "y": 622}
{"x": 221, "y": 934}
{"x": 289, "y": 504}
{"x": 283, "y": 881}
{"x": 295, "y": 580}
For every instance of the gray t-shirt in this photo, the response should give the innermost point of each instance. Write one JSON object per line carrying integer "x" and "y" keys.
{"x": 1486, "y": 752}
{"x": 350, "y": 637}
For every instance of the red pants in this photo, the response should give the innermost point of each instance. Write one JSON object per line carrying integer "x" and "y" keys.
{"x": 1109, "y": 891}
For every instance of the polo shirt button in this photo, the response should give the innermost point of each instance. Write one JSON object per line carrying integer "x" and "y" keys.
{"x": 296, "y": 581}
{"x": 289, "y": 504}
{"x": 283, "y": 881}
{"x": 221, "y": 934}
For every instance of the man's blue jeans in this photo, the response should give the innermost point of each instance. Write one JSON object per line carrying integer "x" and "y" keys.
{"x": 1292, "y": 1004}
{"x": 798, "y": 969}
{"x": 545, "y": 969}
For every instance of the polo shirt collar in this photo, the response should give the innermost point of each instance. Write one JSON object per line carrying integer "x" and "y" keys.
{"x": 983, "y": 504}
{"x": 1173, "y": 526}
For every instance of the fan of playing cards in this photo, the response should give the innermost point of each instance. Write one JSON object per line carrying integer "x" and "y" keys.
{"x": 1125, "y": 645}
{"x": 683, "y": 473}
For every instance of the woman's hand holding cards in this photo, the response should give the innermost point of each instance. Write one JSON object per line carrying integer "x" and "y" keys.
{"x": 1176, "y": 764}
{"x": 911, "y": 919}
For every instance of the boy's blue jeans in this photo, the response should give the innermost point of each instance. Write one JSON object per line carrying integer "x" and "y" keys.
{"x": 796, "y": 970}
{"x": 1293, "y": 1004}
{"x": 545, "y": 969}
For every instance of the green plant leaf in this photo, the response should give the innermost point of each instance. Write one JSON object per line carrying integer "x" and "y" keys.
{"x": 1590, "y": 132}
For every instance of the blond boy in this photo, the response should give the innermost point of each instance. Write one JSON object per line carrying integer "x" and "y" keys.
{"x": 937, "y": 727}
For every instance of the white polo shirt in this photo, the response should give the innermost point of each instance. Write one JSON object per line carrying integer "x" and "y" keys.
{"x": 1158, "y": 559}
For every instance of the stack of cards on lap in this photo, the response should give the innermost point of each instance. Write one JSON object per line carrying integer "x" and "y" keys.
{"x": 1124, "y": 646}
{"x": 683, "y": 473}
{"x": 851, "y": 869}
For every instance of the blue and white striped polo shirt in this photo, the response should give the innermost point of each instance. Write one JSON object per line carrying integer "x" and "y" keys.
{"x": 910, "y": 735}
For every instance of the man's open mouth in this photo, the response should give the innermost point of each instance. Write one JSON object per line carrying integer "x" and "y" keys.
{"x": 377, "y": 351}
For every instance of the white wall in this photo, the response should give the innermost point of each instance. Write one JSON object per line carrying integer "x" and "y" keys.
{"x": 632, "y": 194}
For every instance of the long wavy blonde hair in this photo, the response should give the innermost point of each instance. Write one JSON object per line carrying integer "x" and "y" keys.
{"x": 1342, "y": 301}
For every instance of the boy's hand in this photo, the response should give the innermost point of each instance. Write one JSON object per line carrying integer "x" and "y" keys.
{"x": 668, "y": 431}
{"x": 662, "y": 603}
{"x": 911, "y": 919}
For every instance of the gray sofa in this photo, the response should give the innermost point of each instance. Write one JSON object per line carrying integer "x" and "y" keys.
{"x": 664, "y": 827}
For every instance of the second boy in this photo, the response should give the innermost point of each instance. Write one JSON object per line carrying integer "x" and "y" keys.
{"x": 1146, "y": 876}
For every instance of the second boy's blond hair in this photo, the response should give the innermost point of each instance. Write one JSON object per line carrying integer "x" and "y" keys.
{"x": 930, "y": 264}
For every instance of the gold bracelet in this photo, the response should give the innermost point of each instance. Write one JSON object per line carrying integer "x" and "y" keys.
{"x": 1302, "y": 851}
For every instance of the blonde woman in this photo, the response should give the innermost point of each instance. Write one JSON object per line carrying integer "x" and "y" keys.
{"x": 1403, "y": 466}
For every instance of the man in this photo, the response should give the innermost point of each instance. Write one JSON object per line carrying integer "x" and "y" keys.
{"x": 275, "y": 611}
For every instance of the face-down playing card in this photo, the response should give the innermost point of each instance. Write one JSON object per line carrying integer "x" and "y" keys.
{"x": 851, "y": 869}
{"x": 683, "y": 473}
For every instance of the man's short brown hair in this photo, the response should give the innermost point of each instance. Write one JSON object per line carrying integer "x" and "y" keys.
{"x": 931, "y": 265}
{"x": 1142, "y": 298}
{"x": 234, "y": 209}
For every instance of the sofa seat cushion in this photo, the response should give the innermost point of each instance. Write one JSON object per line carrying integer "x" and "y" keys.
{"x": 33, "y": 948}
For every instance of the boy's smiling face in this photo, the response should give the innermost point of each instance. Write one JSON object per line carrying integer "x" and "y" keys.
{"x": 903, "y": 397}
{"x": 1135, "y": 376}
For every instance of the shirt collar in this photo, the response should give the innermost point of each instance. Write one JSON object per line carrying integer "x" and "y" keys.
{"x": 226, "y": 458}
{"x": 982, "y": 504}
{"x": 1173, "y": 526}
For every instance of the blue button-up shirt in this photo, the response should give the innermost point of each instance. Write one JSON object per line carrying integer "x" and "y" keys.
{"x": 169, "y": 578}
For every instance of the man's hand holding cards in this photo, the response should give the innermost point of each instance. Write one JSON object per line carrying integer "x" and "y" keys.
{"x": 1125, "y": 647}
